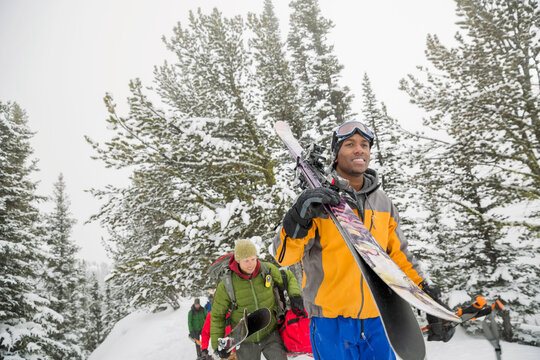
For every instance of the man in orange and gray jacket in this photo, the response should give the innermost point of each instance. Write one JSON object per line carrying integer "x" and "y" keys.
{"x": 345, "y": 323}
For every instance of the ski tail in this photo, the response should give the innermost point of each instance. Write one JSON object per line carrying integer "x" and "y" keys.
{"x": 258, "y": 320}
{"x": 247, "y": 326}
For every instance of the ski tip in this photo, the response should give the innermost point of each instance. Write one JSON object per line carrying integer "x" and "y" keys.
{"x": 281, "y": 125}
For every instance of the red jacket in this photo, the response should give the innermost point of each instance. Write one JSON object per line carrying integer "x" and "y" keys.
{"x": 205, "y": 334}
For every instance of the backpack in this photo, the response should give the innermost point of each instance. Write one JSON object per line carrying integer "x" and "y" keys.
{"x": 293, "y": 328}
{"x": 218, "y": 267}
{"x": 219, "y": 270}
{"x": 294, "y": 331}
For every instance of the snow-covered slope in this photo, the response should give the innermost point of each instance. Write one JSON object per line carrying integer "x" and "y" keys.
{"x": 164, "y": 336}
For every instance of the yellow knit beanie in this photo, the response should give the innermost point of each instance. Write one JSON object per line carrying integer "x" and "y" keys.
{"x": 244, "y": 249}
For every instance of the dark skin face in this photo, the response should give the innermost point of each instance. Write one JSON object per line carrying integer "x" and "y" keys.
{"x": 353, "y": 160}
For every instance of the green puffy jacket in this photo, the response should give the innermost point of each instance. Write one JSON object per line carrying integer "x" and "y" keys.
{"x": 196, "y": 318}
{"x": 250, "y": 294}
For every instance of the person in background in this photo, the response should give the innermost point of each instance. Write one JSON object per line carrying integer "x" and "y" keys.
{"x": 208, "y": 305}
{"x": 196, "y": 318}
{"x": 253, "y": 284}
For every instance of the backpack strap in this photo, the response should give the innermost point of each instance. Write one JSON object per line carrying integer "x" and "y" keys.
{"x": 281, "y": 290}
{"x": 284, "y": 278}
{"x": 265, "y": 271}
{"x": 279, "y": 295}
{"x": 227, "y": 281}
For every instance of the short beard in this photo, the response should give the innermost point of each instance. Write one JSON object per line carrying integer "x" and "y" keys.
{"x": 351, "y": 172}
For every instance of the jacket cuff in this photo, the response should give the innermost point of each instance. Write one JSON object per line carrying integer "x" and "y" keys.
{"x": 295, "y": 226}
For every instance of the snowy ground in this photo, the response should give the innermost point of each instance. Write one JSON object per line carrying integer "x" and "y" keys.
{"x": 164, "y": 336}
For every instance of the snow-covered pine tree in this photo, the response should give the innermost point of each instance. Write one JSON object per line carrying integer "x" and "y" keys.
{"x": 324, "y": 101}
{"x": 483, "y": 97}
{"x": 390, "y": 152}
{"x": 95, "y": 333}
{"x": 231, "y": 157}
{"x": 81, "y": 304}
{"x": 58, "y": 277}
{"x": 204, "y": 173}
{"x": 114, "y": 305}
{"x": 274, "y": 76}
{"x": 135, "y": 218}
{"x": 205, "y": 162}
{"x": 24, "y": 313}
{"x": 391, "y": 157}
{"x": 279, "y": 93}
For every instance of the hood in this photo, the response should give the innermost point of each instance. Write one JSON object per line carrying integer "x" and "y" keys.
{"x": 194, "y": 309}
{"x": 371, "y": 182}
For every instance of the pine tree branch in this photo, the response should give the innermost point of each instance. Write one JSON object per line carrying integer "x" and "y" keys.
{"x": 417, "y": 135}
{"x": 132, "y": 133}
{"x": 525, "y": 224}
{"x": 487, "y": 218}
{"x": 506, "y": 168}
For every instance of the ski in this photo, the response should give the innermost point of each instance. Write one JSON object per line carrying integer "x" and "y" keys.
{"x": 391, "y": 288}
{"x": 247, "y": 326}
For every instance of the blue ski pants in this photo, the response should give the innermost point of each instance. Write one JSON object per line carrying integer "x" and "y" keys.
{"x": 349, "y": 339}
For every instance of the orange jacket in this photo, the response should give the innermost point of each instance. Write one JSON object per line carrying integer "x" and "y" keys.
{"x": 331, "y": 285}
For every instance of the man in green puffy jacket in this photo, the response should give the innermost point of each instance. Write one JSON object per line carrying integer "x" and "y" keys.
{"x": 196, "y": 318}
{"x": 252, "y": 292}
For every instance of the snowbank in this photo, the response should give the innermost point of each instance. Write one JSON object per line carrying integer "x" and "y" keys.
{"x": 164, "y": 336}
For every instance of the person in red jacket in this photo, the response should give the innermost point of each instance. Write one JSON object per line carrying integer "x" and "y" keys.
{"x": 205, "y": 337}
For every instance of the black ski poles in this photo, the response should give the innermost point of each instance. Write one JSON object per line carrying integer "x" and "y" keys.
{"x": 491, "y": 332}
{"x": 476, "y": 310}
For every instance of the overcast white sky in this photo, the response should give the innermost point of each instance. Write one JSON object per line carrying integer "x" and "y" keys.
{"x": 59, "y": 57}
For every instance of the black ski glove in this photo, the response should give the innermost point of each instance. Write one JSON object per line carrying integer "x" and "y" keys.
{"x": 297, "y": 306}
{"x": 205, "y": 355}
{"x": 223, "y": 353}
{"x": 439, "y": 330}
{"x": 308, "y": 206}
{"x": 193, "y": 335}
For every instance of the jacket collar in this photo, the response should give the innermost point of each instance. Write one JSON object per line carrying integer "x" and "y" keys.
{"x": 371, "y": 183}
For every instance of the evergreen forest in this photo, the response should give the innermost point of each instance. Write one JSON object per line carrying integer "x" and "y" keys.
{"x": 206, "y": 169}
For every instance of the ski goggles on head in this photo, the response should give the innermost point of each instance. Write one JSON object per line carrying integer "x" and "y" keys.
{"x": 349, "y": 128}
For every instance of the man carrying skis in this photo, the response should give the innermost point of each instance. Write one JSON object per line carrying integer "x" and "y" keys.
{"x": 345, "y": 323}
{"x": 196, "y": 318}
{"x": 253, "y": 285}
